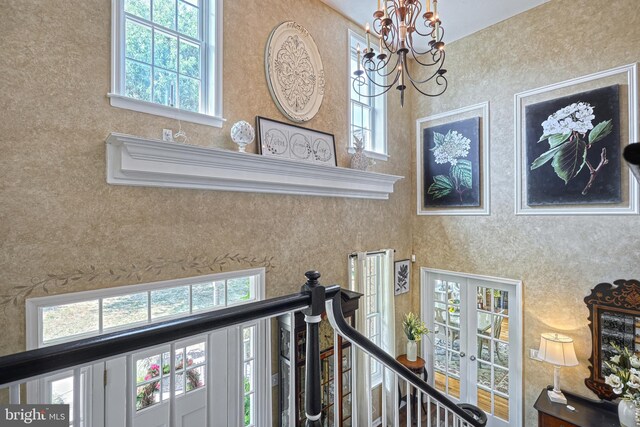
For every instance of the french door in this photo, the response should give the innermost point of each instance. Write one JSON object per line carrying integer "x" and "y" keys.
{"x": 474, "y": 353}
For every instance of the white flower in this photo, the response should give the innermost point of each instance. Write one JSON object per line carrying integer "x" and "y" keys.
{"x": 614, "y": 381}
{"x": 450, "y": 147}
{"x": 576, "y": 117}
{"x": 634, "y": 379}
{"x": 615, "y": 359}
{"x": 635, "y": 361}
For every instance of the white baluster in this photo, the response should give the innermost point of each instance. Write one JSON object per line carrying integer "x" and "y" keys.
{"x": 129, "y": 397}
{"x": 437, "y": 414}
{"x": 384, "y": 396}
{"x": 77, "y": 401}
{"x": 396, "y": 401}
{"x": 428, "y": 411}
{"x": 368, "y": 389}
{"x": 172, "y": 384}
{"x": 419, "y": 407}
{"x": 209, "y": 375}
{"x": 408, "y": 407}
{"x": 14, "y": 394}
{"x": 337, "y": 375}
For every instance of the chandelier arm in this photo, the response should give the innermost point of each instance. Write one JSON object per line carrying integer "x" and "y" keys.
{"x": 369, "y": 65}
{"x": 435, "y": 74}
{"x": 387, "y": 89}
{"x": 433, "y": 56}
{"x": 432, "y": 95}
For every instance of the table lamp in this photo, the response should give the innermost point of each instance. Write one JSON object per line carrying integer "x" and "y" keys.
{"x": 558, "y": 350}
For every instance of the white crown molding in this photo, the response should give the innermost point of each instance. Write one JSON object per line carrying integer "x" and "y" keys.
{"x": 136, "y": 161}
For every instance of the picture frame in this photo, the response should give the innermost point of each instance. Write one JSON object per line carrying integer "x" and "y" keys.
{"x": 401, "y": 276}
{"x": 287, "y": 141}
{"x": 453, "y": 182}
{"x": 603, "y": 110}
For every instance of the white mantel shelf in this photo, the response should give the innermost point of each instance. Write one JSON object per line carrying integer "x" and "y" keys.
{"x": 132, "y": 160}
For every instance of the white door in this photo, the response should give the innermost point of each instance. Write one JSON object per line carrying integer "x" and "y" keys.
{"x": 475, "y": 351}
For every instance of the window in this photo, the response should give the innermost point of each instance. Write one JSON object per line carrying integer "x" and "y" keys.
{"x": 97, "y": 312}
{"x": 372, "y": 301}
{"x": 167, "y": 58}
{"x": 367, "y": 114}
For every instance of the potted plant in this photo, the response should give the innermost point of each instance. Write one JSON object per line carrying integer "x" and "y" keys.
{"x": 624, "y": 379}
{"x": 414, "y": 329}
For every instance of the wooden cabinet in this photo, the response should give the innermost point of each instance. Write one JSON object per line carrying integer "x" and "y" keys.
{"x": 292, "y": 408}
{"x": 586, "y": 413}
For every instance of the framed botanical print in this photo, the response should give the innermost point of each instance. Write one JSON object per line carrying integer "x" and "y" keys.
{"x": 452, "y": 152}
{"x": 569, "y": 142}
{"x": 402, "y": 276}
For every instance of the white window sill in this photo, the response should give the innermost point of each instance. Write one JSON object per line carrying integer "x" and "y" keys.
{"x": 127, "y": 103}
{"x": 371, "y": 154}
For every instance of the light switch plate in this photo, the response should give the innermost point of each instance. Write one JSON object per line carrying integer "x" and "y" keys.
{"x": 533, "y": 354}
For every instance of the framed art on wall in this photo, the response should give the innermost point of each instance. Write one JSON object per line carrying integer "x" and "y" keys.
{"x": 569, "y": 142}
{"x": 402, "y": 276}
{"x": 283, "y": 140}
{"x": 452, "y": 153}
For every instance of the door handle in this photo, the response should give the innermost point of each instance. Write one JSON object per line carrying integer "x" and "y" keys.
{"x": 472, "y": 358}
{"x": 463, "y": 354}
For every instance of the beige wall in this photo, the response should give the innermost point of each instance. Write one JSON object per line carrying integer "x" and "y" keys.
{"x": 59, "y": 218}
{"x": 559, "y": 259}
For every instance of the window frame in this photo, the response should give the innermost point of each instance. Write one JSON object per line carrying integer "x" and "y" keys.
{"x": 379, "y": 149}
{"x": 211, "y": 55}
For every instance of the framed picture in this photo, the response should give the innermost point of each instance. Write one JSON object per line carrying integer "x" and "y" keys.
{"x": 452, "y": 152}
{"x": 569, "y": 142}
{"x": 402, "y": 276}
{"x": 286, "y": 141}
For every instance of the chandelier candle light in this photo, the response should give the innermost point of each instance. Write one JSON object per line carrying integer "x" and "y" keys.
{"x": 399, "y": 25}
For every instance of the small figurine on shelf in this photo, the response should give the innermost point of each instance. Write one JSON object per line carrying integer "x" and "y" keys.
{"x": 242, "y": 133}
{"x": 359, "y": 160}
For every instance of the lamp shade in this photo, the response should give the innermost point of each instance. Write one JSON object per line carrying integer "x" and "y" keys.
{"x": 557, "y": 349}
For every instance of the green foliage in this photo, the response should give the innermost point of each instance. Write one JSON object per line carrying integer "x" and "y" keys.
{"x": 164, "y": 13}
{"x": 141, "y": 8}
{"x": 556, "y": 140}
{"x": 414, "y": 328}
{"x": 441, "y": 186}
{"x": 188, "y": 19}
{"x": 544, "y": 158}
{"x": 569, "y": 159}
{"x": 461, "y": 172}
{"x": 600, "y": 131}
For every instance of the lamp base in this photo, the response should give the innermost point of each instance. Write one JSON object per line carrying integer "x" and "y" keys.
{"x": 556, "y": 397}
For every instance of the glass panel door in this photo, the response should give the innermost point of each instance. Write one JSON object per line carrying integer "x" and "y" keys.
{"x": 447, "y": 336}
{"x": 475, "y": 350}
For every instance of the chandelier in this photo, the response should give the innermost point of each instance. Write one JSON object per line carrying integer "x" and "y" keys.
{"x": 399, "y": 25}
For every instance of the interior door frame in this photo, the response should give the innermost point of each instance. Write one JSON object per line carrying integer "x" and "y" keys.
{"x": 517, "y": 344}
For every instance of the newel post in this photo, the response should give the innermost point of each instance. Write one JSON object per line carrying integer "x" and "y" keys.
{"x": 313, "y": 316}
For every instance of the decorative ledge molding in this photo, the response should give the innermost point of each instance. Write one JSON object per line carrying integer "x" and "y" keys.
{"x": 146, "y": 162}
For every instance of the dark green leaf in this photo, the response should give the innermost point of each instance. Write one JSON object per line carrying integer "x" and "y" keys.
{"x": 544, "y": 158}
{"x": 462, "y": 171}
{"x": 570, "y": 159}
{"x": 441, "y": 186}
{"x": 600, "y": 131}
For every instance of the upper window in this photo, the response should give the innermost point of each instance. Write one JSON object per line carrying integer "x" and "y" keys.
{"x": 167, "y": 58}
{"x": 103, "y": 311}
{"x": 367, "y": 113}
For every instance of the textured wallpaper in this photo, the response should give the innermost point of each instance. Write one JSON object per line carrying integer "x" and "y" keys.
{"x": 64, "y": 229}
{"x": 559, "y": 259}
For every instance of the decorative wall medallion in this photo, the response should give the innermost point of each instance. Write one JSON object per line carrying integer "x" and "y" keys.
{"x": 294, "y": 71}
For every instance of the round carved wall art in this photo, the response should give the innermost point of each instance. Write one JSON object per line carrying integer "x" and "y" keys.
{"x": 294, "y": 71}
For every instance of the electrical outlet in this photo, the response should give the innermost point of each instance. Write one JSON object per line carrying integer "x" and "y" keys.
{"x": 533, "y": 354}
{"x": 413, "y": 258}
{"x": 274, "y": 380}
{"x": 167, "y": 135}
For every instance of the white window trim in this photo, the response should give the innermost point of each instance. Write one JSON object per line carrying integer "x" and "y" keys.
{"x": 212, "y": 76}
{"x": 381, "y": 109}
{"x": 94, "y": 388}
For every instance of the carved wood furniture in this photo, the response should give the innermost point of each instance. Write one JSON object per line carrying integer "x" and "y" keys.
{"x": 614, "y": 318}
{"x": 587, "y": 413}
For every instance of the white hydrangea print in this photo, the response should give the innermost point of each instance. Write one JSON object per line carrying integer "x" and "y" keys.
{"x": 450, "y": 147}
{"x": 576, "y": 117}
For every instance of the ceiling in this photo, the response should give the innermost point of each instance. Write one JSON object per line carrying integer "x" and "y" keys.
{"x": 459, "y": 17}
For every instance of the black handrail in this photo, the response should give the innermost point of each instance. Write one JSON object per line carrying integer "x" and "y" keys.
{"x": 32, "y": 363}
{"x": 339, "y": 323}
